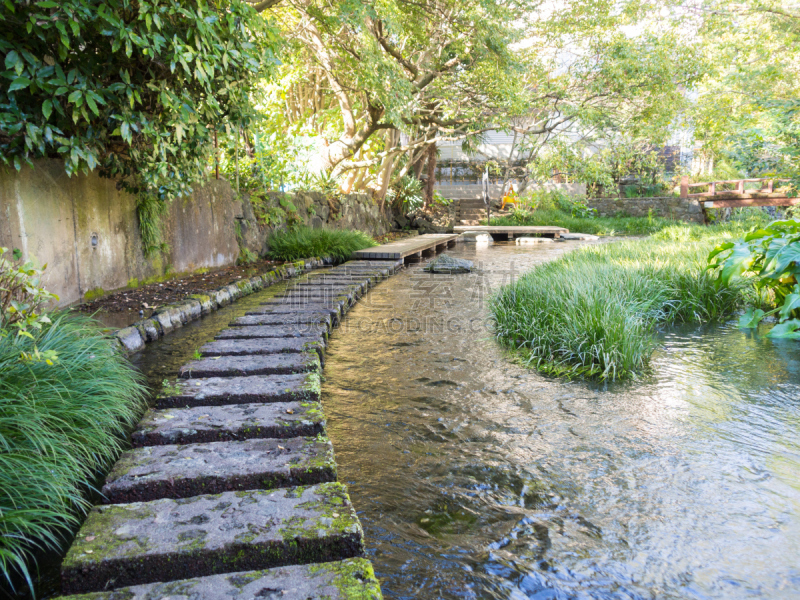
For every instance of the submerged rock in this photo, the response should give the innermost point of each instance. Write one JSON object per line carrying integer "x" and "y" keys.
{"x": 533, "y": 240}
{"x": 474, "y": 237}
{"x": 579, "y": 236}
{"x": 448, "y": 264}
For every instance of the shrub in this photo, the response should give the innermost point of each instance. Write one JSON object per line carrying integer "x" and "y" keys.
{"x": 60, "y": 425}
{"x": 305, "y": 242}
{"x": 768, "y": 257}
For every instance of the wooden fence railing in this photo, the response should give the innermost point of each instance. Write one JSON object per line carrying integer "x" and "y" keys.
{"x": 735, "y": 193}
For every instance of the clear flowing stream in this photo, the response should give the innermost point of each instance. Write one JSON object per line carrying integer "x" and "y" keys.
{"x": 477, "y": 478}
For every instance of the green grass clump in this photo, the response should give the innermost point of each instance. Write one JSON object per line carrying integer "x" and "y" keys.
{"x": 594, "y": 311}
{"x": 596, "y": 225}
{"x": 60, "y": 425}
{"x": 324, "y": 243}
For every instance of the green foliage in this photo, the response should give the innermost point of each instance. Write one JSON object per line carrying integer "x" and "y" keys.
{"x": 769, "y": 257}
{"x": 620, "y": 225}
{"x": 21, "y": 295}
{"x": 132, "y": 87}
{"x": 406, "y": 194}
{"x": 59, "y": 426}
{"x": 305, "y": 242}
{"x": 246, "y": 257}
{"x": 150, "y": 211}
{"x": 603, "y": 171}
{"x": 594, "y": 312}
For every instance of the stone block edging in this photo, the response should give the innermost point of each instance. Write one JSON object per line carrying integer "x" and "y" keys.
{"x": 165, "y": 320}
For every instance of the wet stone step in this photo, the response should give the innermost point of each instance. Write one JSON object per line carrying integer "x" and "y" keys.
{"x": 182, "y": 471}
{"x": 303, "y": 302}
{"x": 300, "y": 318}
{"x": 262, "y": 346}
{"x": 268, "y": 364}
{"x": 216, "y": 391}
{"x": 351, "y": 579}
{"x": 165, "y": 540}
{"x": 312, "y": 331}
{"x": 230, "y": 422}
{"x": 281, "y": 310}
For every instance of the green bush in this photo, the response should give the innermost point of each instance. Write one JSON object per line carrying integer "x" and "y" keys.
{"x": 60, "y": 425}
{"x": 305, "y": 242}
{"x": 594, "y": 312}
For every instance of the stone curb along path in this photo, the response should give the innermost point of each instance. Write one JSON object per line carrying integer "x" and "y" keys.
{"x": 169, "y": 318}
{"x": 230, "y": 488}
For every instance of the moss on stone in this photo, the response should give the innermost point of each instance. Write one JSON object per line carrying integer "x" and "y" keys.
{"x": 94, "y": 294}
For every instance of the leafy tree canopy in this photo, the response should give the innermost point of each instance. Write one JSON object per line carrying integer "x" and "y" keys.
{"x": 133, "y": 88}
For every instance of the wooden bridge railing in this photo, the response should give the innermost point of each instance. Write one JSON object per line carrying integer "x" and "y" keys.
{"x": 766, "y": 195}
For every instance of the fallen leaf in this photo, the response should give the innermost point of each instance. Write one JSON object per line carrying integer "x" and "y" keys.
{"x": 289, "y": 411}
{"x": 90, "y": 538}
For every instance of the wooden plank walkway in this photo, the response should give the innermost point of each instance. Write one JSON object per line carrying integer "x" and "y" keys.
{"x": 513, "y": 230}
{"x": 413, "y": 246}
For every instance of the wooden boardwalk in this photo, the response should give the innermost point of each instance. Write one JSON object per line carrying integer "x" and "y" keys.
{"x": 511, "y": 230}
{"x": 413, "y": 246}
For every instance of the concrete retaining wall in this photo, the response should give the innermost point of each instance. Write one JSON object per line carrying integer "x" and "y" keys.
{"x": 463, "y": 191}
{"x": 681, "y": 209}
{"x": 87, "y": 232}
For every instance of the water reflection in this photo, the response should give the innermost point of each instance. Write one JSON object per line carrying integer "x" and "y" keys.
{"x": 476, "y": 478}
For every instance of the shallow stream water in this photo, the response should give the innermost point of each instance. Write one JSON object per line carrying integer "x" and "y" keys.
{"x": 477, "y": 478}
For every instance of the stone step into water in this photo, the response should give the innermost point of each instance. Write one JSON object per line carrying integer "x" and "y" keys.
{"x": 166, "y": 540}
{"x": 240, "y": 366}
{"x": 231, "y": 422}
{"x": 300, "y": 318}
{"x": 351, "y": 579}
{"x": 262, "y": 346}
{"x": 283, "y": 310}
{"x": 216, "y": 391}
{"x": 183, "y": 471}
{"x": 311, "y": 331}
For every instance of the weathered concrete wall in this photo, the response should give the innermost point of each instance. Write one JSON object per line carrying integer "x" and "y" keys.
{"x": 682, "y": 209}
{"x": 55, "y": 219}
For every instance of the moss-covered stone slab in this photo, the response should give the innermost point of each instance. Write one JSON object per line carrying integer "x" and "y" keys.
{"x": 351, "y": 579}
{"x": 261, "y": 346}
{"x": 166, "y": 540}
{"x": 268, "y": 364}
{"x": 291, "y": 318}
{"x": 313, "y": 331}
{"x": 216, "y": 391}
{"x": 231, "y": 422}
{"x": 182, "y": 471}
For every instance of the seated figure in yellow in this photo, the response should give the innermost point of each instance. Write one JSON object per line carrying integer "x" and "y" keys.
{"x": 510, "y": 197}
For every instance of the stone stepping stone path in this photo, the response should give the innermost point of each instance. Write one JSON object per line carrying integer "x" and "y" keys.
{"x": 229, "y": 489}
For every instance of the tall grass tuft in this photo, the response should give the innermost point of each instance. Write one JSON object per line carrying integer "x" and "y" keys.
{"x": 594, "y": 312}
{"x": 324, "y": 243}
{"x": 59, "y": 426}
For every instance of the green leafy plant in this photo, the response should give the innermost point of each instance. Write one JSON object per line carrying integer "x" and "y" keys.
{"x": 246, "y": 257}
{"x": 59, "y": 425}
{"x": 770, "y": 258}
{"x": 406, "y": 194}
{"x": 144, "y": 103}
{"x": 22, "y": 297}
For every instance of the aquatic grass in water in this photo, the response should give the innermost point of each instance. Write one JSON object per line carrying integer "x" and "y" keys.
{"x": 59, "y": 426}
{"x": 594, "y": 311}
{"x": 324, "y": 243}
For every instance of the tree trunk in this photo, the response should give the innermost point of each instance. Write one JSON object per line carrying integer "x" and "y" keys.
{"x": 431, "y": 176}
